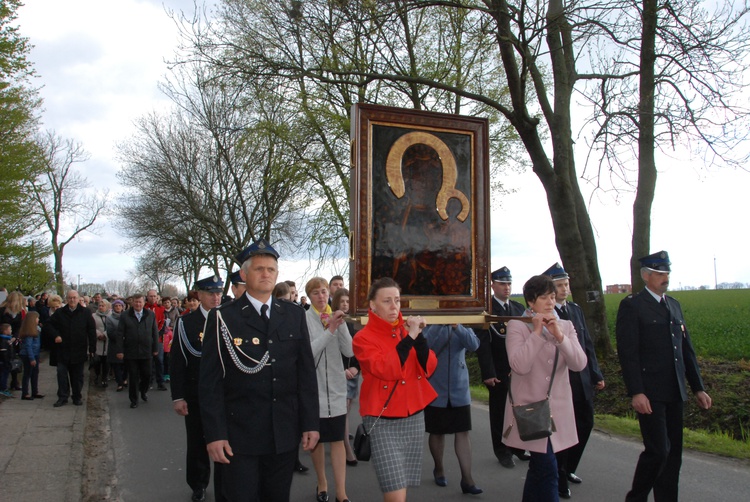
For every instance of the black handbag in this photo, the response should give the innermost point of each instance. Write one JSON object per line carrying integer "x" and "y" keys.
{"x": 534, "y": 420}
{"x": 362, "y": 448}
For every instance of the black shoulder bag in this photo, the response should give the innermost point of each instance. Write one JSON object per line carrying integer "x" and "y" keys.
{"x": 534, "y": 420}
{"x": 362, "y": 447}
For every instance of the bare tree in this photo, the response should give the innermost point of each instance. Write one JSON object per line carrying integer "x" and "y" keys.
{"x": 533, "y": 60}
{"x": 335, "y": 38}
{"x": 675, "y": 75}
{"x": 60, "y": 197}
{"x": 120, "y": 287}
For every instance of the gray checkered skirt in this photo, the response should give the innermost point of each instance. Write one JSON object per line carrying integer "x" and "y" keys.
{"x": 397, "y": 446}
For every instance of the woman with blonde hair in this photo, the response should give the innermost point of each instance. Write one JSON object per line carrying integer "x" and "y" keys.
{"x": 12, "y": 311}
{"x": 30, "y": 350}
{"x": 329, "y": 339}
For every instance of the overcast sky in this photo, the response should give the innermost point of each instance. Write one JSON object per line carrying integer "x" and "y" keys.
{"x": 99, "y": 64}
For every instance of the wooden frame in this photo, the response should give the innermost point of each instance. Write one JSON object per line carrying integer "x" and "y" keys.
{"x": 420, "y": 209}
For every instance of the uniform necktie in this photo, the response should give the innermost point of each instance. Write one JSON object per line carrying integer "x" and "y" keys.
{"x": 564, "y": 312}
{"x": 264, "y": 313}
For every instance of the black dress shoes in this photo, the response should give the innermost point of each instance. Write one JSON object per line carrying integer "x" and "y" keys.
{"x": 38, "y": 396}
{"x": 439, "y": 480}
{"x": 199, "y": 494}
{"x": 133, "y": 404}
{"x": 144, "y": 397}
{"x": 506, "y": 461}
{"x": 565, "y": 494}
{"x": 60, "y": 402}
{"x": 574, "y": 479}
{"x": 161, "y": 387}
{"x": 321, "y": 496}
{"x": 300, "y": 467}
{"x": 472, "y": 489}
{"x": 77, "y": 402}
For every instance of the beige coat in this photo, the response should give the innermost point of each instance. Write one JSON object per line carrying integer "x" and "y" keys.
{"x": 531, "y": 360}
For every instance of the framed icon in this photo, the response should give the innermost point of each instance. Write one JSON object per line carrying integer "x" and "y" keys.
{"x": 419, "y": 209}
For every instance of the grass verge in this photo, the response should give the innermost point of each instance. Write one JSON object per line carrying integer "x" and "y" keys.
{"x": 716, "y": 443}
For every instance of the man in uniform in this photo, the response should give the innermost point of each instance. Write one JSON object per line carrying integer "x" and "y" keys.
{"x": 657, "y": 356}
{"x": 582, "y": 382}
{"x": 185, "y": 360}
{"x": 258, "y": 387}
{"x": 494, "y": 365}
{"x": 237, "y": 284}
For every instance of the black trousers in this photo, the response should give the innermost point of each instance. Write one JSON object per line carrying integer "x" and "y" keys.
{"x": 568, "y": 460}
{"x": 198, "y": 464}
{"x": 258, "y": 478}
{"x": 659, "y": 465}
{"x": 498, "y": 397}
{"x": 139, "y": 377}
{"x": 69, "y": 377}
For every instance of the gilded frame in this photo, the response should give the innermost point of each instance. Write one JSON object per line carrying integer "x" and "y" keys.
{"x": 429, "y": 232}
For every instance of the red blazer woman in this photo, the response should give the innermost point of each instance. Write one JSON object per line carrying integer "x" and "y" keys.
{"x": 379, "y": 348}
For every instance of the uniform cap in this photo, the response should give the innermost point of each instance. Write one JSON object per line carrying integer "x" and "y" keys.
{"x": 235, "y": 278}
{"x": 502, "y": 275}
{"x": 259, "y": 247}
{"x": 212, "y": 284}
{"x": 557, "y": 272}
{"x": 658, "y": 262}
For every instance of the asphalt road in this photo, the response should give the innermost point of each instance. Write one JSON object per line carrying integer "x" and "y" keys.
{"x": 149, "y": 444}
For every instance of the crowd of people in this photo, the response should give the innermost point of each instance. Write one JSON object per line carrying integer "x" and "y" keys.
{"x": 261, "y": 375}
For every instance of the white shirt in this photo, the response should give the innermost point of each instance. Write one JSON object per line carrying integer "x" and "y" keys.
{"x": 258, "y": 304}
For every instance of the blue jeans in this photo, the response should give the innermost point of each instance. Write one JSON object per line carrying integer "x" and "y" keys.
{"x": 541, "y": 480}
{"x": 30, "y": 374}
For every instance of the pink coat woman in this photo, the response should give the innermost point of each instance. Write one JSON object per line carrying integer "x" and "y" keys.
{"x": 531, "y": 360}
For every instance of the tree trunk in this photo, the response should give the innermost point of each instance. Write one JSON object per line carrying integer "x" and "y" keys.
{"x": 59, "y": 281}
{"x": 644, "y": 196}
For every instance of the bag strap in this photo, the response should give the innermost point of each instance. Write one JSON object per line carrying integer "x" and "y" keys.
{"x": 552, "y": 378}
{"x": 384, "y": 407}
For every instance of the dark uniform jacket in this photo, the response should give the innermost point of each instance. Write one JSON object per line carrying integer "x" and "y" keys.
{"x": 266, "y": 412}
{"x": 582, "y": 382}
{"x": 654, "y": 348}
{"x": 185, "y": 358}
{"x": 137, "y": 340}
{"x": 78, "y": 332}
{"x": 491, "y": 354}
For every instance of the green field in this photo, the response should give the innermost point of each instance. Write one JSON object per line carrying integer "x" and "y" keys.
{"x": 718, "y": 321}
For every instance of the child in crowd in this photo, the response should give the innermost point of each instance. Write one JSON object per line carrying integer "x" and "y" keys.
{"x": 167, "y": 341}
{"x": 5, "y": 341}
{"x": 31, "y": 346}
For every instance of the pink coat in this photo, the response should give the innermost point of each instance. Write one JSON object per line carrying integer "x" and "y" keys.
{"x": 531, "y": 359}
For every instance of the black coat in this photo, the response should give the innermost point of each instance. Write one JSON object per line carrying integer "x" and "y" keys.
{"x": 266, "y": 412}
{"x": 582, "y": 382}
{"x": 134, "y": 339}
{"x": 184, "y": 364}
{"x": 654, "y": 348}
{"x": 491, "y": 354}
{"x": 78, "y": 332}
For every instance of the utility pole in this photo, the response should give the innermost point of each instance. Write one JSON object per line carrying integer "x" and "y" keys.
{"x": 716, "y": 280}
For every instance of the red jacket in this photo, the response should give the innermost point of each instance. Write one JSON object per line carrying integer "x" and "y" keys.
{"x": 158, "y": 310}
{"x": 375, "y": 349}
